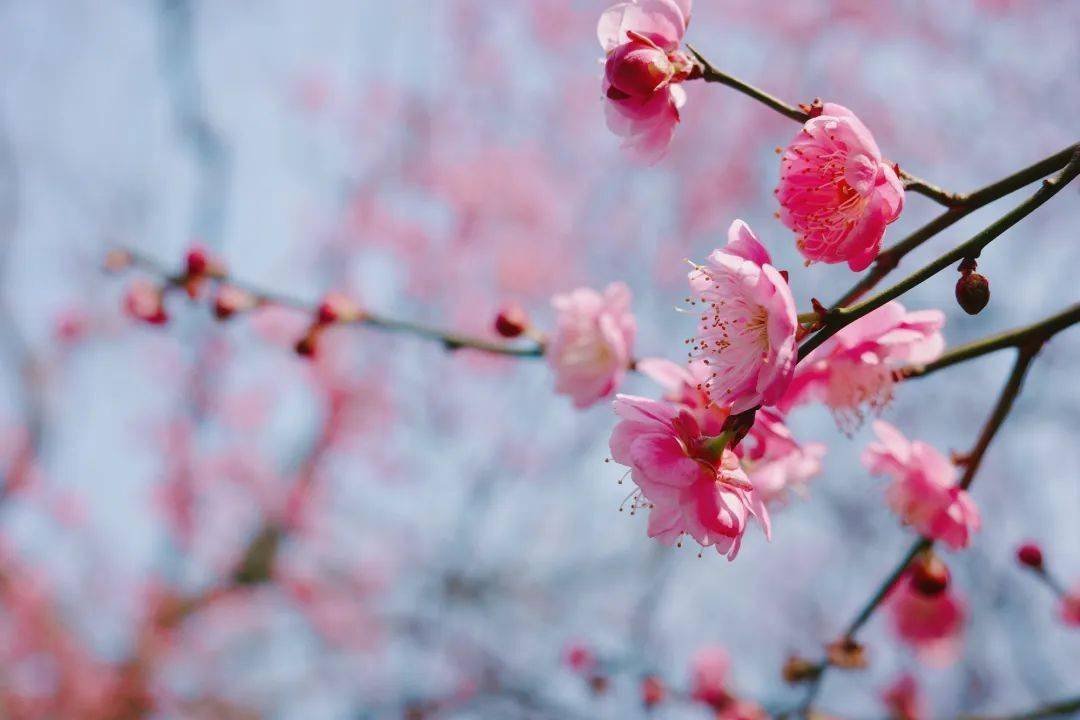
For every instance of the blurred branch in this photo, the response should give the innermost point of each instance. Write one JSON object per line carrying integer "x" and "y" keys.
{"x": 1056, "y": 709}
{"x": 263, "y": 297}
{"x": 837, "y": 319}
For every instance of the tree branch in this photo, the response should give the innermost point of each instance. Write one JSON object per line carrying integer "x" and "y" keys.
{"x": 839, "y": 318}
{"x": 1056, "y": 709}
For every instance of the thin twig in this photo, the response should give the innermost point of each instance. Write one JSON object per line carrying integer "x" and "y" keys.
{"x": 1056, "y": 709}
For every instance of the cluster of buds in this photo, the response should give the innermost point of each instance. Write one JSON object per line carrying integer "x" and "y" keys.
{"x": 334, "y": 309}
{"x": 972, "y": 289}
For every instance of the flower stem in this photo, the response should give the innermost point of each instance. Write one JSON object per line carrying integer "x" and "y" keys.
{"x": 710, "y": 73}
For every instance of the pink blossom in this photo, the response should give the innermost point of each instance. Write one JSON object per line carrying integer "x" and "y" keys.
{"x": 775, "y": 462}
{"x": 1070, "y": 607}
{"x": 643, "y": 65}
{"x": 855, "y": 366}
{"x": 590, "y": 350}
{"x": 903, "y": 700}
{"x": 932, "y": 625}
{"x": 923, "y": 491}
{"x": 746, "y": 333}
{"x": 685, "y": 385}
{"x": 689, "y": 487}
{"x": 144, "y": 302}
{"x": 835, "y": 190}
{"x": 580, "y": 658}
{"x": 708, "y": 677}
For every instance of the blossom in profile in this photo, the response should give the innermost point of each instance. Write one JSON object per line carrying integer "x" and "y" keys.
{"x": 836, "y": 192}
{"x": 747, "y": 323}
{"x": 685, "y": 385}
{"x": 642, "y": 70}
{"x": 689, "y": 486}
{"x": 903, "y": 700}
{"x": 853, "y": 370}
{"x": 777, "y": 464}
{"x": 1070, "y": 607}
{"x": 590, "y": 349}
{"x": 931, "y": 624}
{"x": 923, "y": 492}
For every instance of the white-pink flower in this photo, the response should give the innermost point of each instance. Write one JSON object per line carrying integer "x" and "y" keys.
{"x": 775, "y": 462}
{"x": 854, "y": 368}
{"x": 924, "y": 490}
{"x": 642, "y": 69}
{"x": 836, "y": 192}
{"x": 747, "y": 323}
{"x": 590, "y": 349}
{"x": 688, "y": 487}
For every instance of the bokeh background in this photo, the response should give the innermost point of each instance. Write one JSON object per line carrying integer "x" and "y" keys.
{"x": 434, "y": 159}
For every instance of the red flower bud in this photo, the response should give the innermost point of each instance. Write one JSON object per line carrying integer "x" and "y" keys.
{"x": 1031, "y": 555}
{"x": 638, "y": 69}
{"x": 334, "y": 308}
{"x": 308, "y": 345}
{"x": 972, "y": 292}
{"x": 230, "y": 300}
{"x": 198, "y": 262}
{"x": 929, "y": 575}
{"x": 511, "y": 321}
{"x": 653, "y": 691}
{"x": 144, "y": 302}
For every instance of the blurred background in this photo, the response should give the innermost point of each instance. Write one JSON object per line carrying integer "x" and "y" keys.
{"x": 458, "y": 528}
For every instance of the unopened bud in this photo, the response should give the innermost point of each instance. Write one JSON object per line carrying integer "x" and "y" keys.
{"x": 598, "y": 684}
{"x": 511, "y": 321}
{"x": 336, "y": 307}
{"x": 972, "y": 292}
{"x": 846, "y": 654}
{"x": 653, "y": 691}
{"x": 308, "y": 345}
{"x": 1031, "y": 555}
{"x": 929, "y": 575}
{"x": 799, "y": 670}
{"x": 116, "y": 261}
{"x": 144, "y": 302}
{"x": 198, "y": 262}
{"x": 230, "y": 300}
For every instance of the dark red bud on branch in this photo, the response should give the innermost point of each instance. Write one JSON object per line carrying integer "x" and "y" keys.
{"x": 846, "y": 654}
{"x": 511, "y": 321}
{"x": 198, "y": 262}
{"x": 799, "y": 670}
{"x": 1031, "y": 555}
{"x": 929, "y": 575}
{"x": 972, "y": 292}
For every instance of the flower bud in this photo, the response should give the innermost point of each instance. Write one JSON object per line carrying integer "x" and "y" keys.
{"x": 799, "y": 670}
{"x": 336, "y": 307}
{"x": 1030, "y": 554}
{"x": 144, "y": 302}
{"x": 972, "y": 292}
{"x": 198, "y": 262}
{"x": 308, "y": 345}
{"x": 230, "y": 300}
{"x": 653, "y": 691}
{"x": 929, "y": 575}
{"x": 580, "y": 658}
{"x": 846, "y": 654}
{"x": 511, "y": 321}
{"x": 638, "y": 69}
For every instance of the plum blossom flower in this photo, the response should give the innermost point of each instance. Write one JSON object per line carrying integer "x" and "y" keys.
{"x": 642, "y": 69}
{"x": 854, "y": 368}
{"x": 746, "y": 333}
{"x": 932, "y": 625}
{"x": 589, "y": 352}
{"x": 775, "y": 461}
{"x": 1070, "y": 607}
{"x": 708, "y": 677}
{"x": 923, "y": 492}
{"x": 835, "y": 191}
{"x": 688, "y": 486}
{"x": 903, "y": 700}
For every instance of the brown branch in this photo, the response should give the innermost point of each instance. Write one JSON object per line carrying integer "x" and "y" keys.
{"x": 1056, "y": 709}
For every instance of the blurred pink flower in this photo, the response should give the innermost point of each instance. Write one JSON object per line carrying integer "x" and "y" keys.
{"x": 1070, "y": 607}
{"x": 855, "y": 367}
{"x": 775, "y": 462}
{"x": 923, "y": 492}
{"x": 144, "y": 302}
{"x": 708, "y": 677}
{"x": 903, "y": 700}
{"x": 932, "y": 625}
{"x": 746, "y": 333}
{"x": 580, "y": 658}
{"x": 590, "y": 350}
{"x": 641, "y": 40}
{"x": 835, "y": 190}
{"x": 686, "y": 486}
